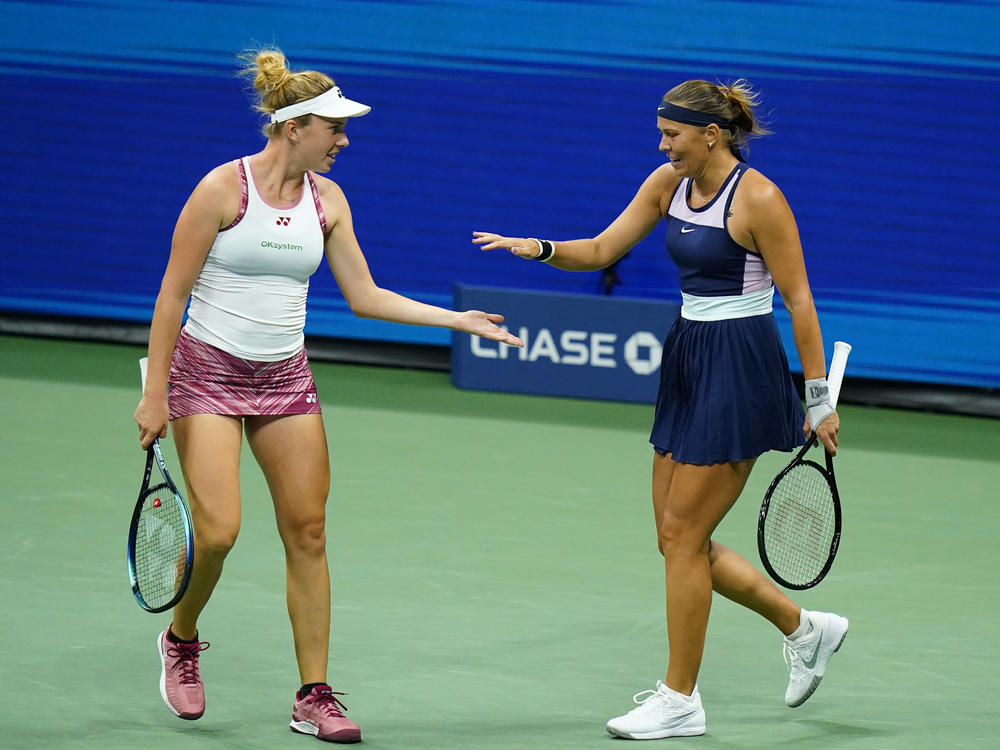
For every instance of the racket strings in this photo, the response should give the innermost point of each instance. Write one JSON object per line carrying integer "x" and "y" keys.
{"x": 800, "y": 526}
{"x": 160, "y": 547}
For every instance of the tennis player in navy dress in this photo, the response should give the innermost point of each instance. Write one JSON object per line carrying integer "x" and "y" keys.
{"x": 726, "y": 395}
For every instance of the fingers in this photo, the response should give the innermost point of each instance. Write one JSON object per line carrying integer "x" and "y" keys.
{"x": 483, "y": 324}
{"x": 507, "y": 338}
{"x": 486, "y": 240}
{"x": 829, "y": 435}
{"x": 830, "y": 443}
{"x": 146, "y": 438}
{"x": 496, "y": 333}
{"x": 150, "y": 425}
{"x": 519, "y": 246}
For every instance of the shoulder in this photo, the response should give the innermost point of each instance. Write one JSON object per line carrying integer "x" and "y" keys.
{"x": 660, "y": 187}
{"x": 332, "y": 199}
{"x": 217, "y": 197}
{"x": 329, "y": 191}
{"x": 225, "y": 178}
{"x": 664, "y": 178}
{"x": 758, "y": 191}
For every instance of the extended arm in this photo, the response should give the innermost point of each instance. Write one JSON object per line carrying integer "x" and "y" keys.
{"x": 368, "y": 300}
{"x": 634, "y": 223}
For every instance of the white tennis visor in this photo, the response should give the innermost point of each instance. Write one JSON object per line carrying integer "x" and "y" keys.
{"x": 331, "y": 103}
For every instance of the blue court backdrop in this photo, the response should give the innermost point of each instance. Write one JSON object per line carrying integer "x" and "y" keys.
{"x": 524, "y": 118}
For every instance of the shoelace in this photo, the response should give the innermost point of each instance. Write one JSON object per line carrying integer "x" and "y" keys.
{"x": 328, "y": 703}
{"x": 795, "y": 654}
{"x": 186, "y": 656}
{"x": 643, "y": 696}
{"x": 647, "y": 693}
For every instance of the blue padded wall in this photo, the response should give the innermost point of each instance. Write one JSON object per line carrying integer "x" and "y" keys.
{"x": 529, "y": 118}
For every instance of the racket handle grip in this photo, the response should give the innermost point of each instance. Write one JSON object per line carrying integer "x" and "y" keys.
{"x": 143, "y": 362}
{"x": 838, "y": 364}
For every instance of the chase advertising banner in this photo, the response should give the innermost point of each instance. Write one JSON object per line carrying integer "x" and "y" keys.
{"x": 587, "y": 346}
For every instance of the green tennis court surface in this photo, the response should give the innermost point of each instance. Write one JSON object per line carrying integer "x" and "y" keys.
{"x": 496, "y": 579}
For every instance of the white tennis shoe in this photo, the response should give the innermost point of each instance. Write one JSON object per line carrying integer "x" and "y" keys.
{"x": 807, "y": 655}
{"x": 661, "y": 713}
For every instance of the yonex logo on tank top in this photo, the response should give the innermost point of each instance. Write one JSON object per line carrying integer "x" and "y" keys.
{"x": 281, "y": 246}
{"x": 283, "y": 221}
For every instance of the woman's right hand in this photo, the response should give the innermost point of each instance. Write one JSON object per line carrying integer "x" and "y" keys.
{"x": 522, "y": 247}
{"x": 152, "y": 416}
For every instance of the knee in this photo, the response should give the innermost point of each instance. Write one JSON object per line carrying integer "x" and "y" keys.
{"x": 216, "y": 540}
{"x": 305, "y": 535}
{"x": 666, "y": 533}
{"x": 676, "y": 536}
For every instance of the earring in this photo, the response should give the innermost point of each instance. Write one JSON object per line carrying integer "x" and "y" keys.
{"x": 710, "y": 144}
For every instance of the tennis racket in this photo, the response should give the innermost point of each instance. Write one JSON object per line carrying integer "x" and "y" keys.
{"x": 160, "y": 537}
{"x": 798, "y": 531}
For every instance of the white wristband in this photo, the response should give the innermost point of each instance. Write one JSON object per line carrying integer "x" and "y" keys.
{"x": 817, "y": 401}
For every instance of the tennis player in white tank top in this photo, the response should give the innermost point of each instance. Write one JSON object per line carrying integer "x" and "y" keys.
{"x": 243, "y": 250}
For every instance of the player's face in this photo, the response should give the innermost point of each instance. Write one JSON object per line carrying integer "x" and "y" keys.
{"x": 684, "y": 145}
{"x": 324, "y": 138}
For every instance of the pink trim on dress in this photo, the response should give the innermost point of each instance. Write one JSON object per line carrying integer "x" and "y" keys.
{"x": 318, "y": 202}
{"x": 244, "y": 195}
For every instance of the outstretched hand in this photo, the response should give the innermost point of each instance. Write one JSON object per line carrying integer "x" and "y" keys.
{"x": 519, "y": 246}
{"x": 486, "y": 325}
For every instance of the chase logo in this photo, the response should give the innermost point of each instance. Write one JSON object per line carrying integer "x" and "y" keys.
{"x": 576, "y": 345}
{"x": 640, "y": 352}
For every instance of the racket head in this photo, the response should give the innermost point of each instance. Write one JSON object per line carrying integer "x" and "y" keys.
{"x": 160, "y": 540}
{"x": 798, "y": 531}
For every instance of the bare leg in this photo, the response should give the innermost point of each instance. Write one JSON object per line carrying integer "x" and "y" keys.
{"x": 208, "y": 446}
{"x": 292, "y": 452}
{"x": 730, "y": 574}
{"x": 739, "y": 581}
{"x": 689, "y": 502}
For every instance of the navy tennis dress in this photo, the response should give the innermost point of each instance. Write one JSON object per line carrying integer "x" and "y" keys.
{"x": 725, "y": 390}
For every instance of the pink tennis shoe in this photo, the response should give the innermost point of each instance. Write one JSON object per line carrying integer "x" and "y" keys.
{"x": 180, "y": 681}
{"x": 321, "y": 714}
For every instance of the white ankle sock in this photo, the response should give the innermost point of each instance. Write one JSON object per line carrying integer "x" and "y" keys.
{"x": 688, "y": 698}
{"x": 804, "y": 626}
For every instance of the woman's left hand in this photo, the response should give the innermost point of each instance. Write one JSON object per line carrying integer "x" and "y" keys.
{"x": 486, "y": 325}
{"x": 827, "y": 432}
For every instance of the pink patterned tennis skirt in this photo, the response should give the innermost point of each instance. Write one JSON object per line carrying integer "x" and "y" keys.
{"x": 206, "y": 380}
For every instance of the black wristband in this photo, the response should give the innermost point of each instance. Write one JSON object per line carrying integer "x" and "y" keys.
{"x": 548, "y": 250}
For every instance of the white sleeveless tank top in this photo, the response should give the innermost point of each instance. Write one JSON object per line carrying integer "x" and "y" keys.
{"x": 250, "y": 298}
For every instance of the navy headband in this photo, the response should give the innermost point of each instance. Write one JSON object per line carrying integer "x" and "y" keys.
{"x": 691, "y": 116}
